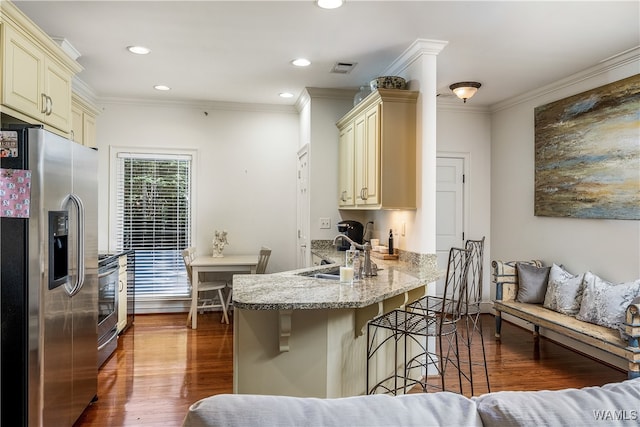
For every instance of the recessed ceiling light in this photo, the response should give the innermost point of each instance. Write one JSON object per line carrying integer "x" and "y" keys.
{"x": 161, "y": 87}
{"x": 301, "y": 62}
{"x": 286, "y": 95}
{"x": 139, "y": 50}
{"x": 329, "y": 4}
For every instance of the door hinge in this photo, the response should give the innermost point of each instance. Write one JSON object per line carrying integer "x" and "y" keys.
{"x": 464, "y": 178}
{"x": 463, "y": 236}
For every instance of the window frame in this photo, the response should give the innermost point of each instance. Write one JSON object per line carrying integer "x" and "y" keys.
{"x": 150, "y": 305}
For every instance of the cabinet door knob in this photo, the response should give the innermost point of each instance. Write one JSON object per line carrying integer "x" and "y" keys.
{"x": 364, "y": 193}
{"x": 49, "y": 105}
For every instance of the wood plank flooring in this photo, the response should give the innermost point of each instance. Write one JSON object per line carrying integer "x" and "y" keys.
{"x": 162, "y": 366}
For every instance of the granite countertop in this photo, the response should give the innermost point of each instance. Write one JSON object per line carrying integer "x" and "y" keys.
{"x": 297, "y": 289}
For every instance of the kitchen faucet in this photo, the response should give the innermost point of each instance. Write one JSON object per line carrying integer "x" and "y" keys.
{"x": 370, "y": 268}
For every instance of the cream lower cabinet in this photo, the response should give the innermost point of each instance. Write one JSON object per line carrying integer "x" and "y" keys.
{"x": 379, "y": 171}
{"x": 36, "y": 74}
{"x": 83, "y": 122}
{"x": 122, "y": 294}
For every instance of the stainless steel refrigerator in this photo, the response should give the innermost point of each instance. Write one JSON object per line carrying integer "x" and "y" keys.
{"x": 48, "y": 270}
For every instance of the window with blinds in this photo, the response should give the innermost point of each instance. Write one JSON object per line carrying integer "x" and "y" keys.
{"x": 153, "y": 217}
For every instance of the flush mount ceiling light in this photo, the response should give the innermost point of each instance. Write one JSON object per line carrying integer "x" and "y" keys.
{"x": 139, "y": 50}
{"x": 161, "y": 87}
{"x": 465, "y": 90}
{"x": 301, "y": 62}
{"x": 286, "y": 95}
{"x": 329, "y": 4}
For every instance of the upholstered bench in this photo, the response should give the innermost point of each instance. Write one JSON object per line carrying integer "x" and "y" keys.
{"x": 505, "y": 278}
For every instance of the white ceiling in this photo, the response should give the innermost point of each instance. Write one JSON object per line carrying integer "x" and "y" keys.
{"x": 240, "y": 51}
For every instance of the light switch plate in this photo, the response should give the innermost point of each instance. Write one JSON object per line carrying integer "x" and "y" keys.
{"x": 325, "y": 222}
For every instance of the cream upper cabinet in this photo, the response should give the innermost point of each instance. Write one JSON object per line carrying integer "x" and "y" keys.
{"x": 83, "y": 122}
{"x": 57, "y": 90}
{"x": 36, "y": 74}
{"x": 345, "y": 169}
{"x": 367, "y": 157}
{"x": 77, "y": 118}
{"x": 23, "y": 68}
{"x": 382, "y": 162}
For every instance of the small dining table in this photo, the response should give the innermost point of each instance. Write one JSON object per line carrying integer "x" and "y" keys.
{"x": 237, "y": 264}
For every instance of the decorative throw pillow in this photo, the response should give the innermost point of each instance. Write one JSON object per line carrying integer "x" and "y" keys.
{"x": 564, "y": 291}
{"x": 532, "y": 283}
{"x": 604, "y": 303}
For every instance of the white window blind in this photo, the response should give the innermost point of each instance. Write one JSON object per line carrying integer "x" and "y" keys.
{"x": 153, "y": 218}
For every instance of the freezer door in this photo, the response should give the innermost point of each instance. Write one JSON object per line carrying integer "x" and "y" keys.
{"x": 51, "y": 328}
{"x": 68, "y": 350}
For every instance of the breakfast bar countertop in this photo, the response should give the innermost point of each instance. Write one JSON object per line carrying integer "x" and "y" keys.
{"x": 282, "y": 321}
{"x": 299, "y": 290}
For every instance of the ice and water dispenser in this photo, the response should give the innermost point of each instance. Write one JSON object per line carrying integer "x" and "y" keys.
{"x": 58, "y": 239}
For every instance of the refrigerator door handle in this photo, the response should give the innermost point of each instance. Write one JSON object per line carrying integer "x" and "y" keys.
{"x": 77, "y": 202}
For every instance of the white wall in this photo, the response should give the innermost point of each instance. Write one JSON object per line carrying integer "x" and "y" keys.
{"x": 609, "y": 248}
{"x": 465, "y": 131}
{"x": 245, "y": 172}
{"x": 325, "y": 112}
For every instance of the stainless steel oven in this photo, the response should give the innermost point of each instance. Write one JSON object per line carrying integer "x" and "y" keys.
{"x": 108, "y": 271}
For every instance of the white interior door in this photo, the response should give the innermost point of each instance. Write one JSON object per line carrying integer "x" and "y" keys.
{"x": 449, "y": 209}
{"x": 303, "y": 257}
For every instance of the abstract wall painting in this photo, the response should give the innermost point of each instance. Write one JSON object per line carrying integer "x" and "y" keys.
{"x": 587, "y": 154}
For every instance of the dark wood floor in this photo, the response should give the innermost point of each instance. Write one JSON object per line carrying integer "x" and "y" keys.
{"x": 162, "y": 366}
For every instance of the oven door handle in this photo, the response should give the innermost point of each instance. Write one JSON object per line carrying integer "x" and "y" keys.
{"x": 115, "y": 334}
{"x": 108, "y": 272}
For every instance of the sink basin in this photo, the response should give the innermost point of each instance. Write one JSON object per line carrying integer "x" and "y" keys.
{"x": 332, "y": 273}
{"x": 327, "y": 276}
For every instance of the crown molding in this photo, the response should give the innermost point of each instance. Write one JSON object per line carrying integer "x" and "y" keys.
{"x": 206, "y": 105}
{"x": 605, "y": 66}
{"x": 83, "y": 90}
{"x": 310, "y": 93}
{"x": 417, "y": 49}
{"x": 457, "y": 106}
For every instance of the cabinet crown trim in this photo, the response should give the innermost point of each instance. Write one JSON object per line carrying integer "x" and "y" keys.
{"x": 377, "y": 96}
{"x": 11, "y": 15}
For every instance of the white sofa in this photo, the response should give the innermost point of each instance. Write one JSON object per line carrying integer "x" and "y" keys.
{"x": 616, "y": 404}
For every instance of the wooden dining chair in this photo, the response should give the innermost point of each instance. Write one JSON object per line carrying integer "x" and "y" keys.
{"x": 216, "y": 288}
{"x": 263, "y": 260}
{"x": 261, "y": 268}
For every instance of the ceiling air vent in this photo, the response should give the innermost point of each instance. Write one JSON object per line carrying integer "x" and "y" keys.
{"x": 343, "y": 67}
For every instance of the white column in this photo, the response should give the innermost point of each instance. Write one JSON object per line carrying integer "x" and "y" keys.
{"x": 418, "y": 64}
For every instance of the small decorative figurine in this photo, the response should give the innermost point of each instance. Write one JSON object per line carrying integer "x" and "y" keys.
{"x": 219, "y": 242}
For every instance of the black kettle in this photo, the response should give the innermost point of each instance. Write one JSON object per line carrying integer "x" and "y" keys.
{"x": 351, "y": 229}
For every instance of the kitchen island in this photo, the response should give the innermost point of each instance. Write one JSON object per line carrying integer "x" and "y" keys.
{"x": 298, "y": 335}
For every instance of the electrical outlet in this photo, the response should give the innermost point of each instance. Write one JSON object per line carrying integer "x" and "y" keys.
{"x": 325, "y": 222}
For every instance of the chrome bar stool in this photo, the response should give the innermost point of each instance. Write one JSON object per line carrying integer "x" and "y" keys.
{"x": 423, "y": 338}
